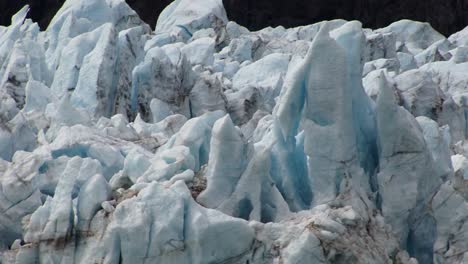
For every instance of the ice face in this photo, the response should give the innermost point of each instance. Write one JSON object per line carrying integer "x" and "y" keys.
{"x": 414, "y": 36}
{"x": 203, "y": 142}
{"x": 94, "y": 86}
{"x": 327, "y": 119}
{"x": 226, "y": 163}
{"x": 259, "y": 83}
{"x": 192, "y": 16}
{"x": 165, "y": 74}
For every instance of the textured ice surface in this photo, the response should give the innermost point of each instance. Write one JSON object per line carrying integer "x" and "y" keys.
{"x": 190, "y": 16}
{"x": 203, "y": 142}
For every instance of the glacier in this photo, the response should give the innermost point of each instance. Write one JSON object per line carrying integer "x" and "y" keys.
{"x": 203, "y": 142}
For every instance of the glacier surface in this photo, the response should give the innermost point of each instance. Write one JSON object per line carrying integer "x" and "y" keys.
{"x": 202, "y": 142}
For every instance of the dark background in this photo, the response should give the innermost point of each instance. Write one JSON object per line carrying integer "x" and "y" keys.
{"x": 446, "y": 16}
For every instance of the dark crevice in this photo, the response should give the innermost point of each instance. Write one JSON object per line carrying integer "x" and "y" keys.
{"x": 244, "y": 209}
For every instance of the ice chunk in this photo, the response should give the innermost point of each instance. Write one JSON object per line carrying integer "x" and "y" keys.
{"x": 71, "y": 22}
{"x": 256, "y": 197}
{"x": 95, "y": 80}
{"x": 388, "y": 64}
{"x": 16, "y": 74}
{"x": 37, "y": 96}
{"x": 73, "y": 55}
{"x": 330, "y": 141}
{"x": 18, "y": 195}
{"x": 200, "y": 51}
{"x": 256, "y": 86}
{"x": 460, "y": 38}
{"x": 54, "y": 220}
{"x": 168, "y": 163}
{"x": 186, "y": 233}
{"x": 407, "y": 61}
{"x": 380, "y": 46}
{"x": 166, "y": 128}
{"x": 135, "y": 165}
{"x": 416, "y": 36}
{"x": 240, "y": 49}
{"x": 204, "y": 33}
{"x": 11, "y": 34}
{"x": 438, "y": 142}
{"x": 371, "y": 82}
{"x": 192, "y": 16}
{"x": 7, "y": 148}
{"x": 159, "y": 110}
{"x": 460, "y": 54}
{"x": 420, "y": 94}
{"x": 118, "y": 127}
{"x": 235, "y": 30}
{"x": 95, "y": 191}
{"x": 86, "y": 142}
{"x": 207, "y": 94}
{"x": 460, "y": 165}
{"x": 186, "y": 176}
{"x": 453, "y": 115}
{"x": 76, "y": 17}
{"x": 97, "y": 12}
{"x": 24, "y": 136}
{"x": 51, "y": 171}
{"x": 159, "y": 40}
{"x": 7, "y": 106}
{"x": 225, "y": 165}
{"x": 450, "y": 77}
{"x": 404, "y": 178}
{"x": 262, "y": 73}
{"x": 62, "y": 113}
{"x": 244, "y": 103}
{"x": 436, "y": 52}
{"x": 165, "y": 74}
{"x": 230, "y": 69}
{"x": 196, "y": 135}
{"x": 350, "y": 37}
{"x": 450, "y": 211}
{"x": 130, "y": 54}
